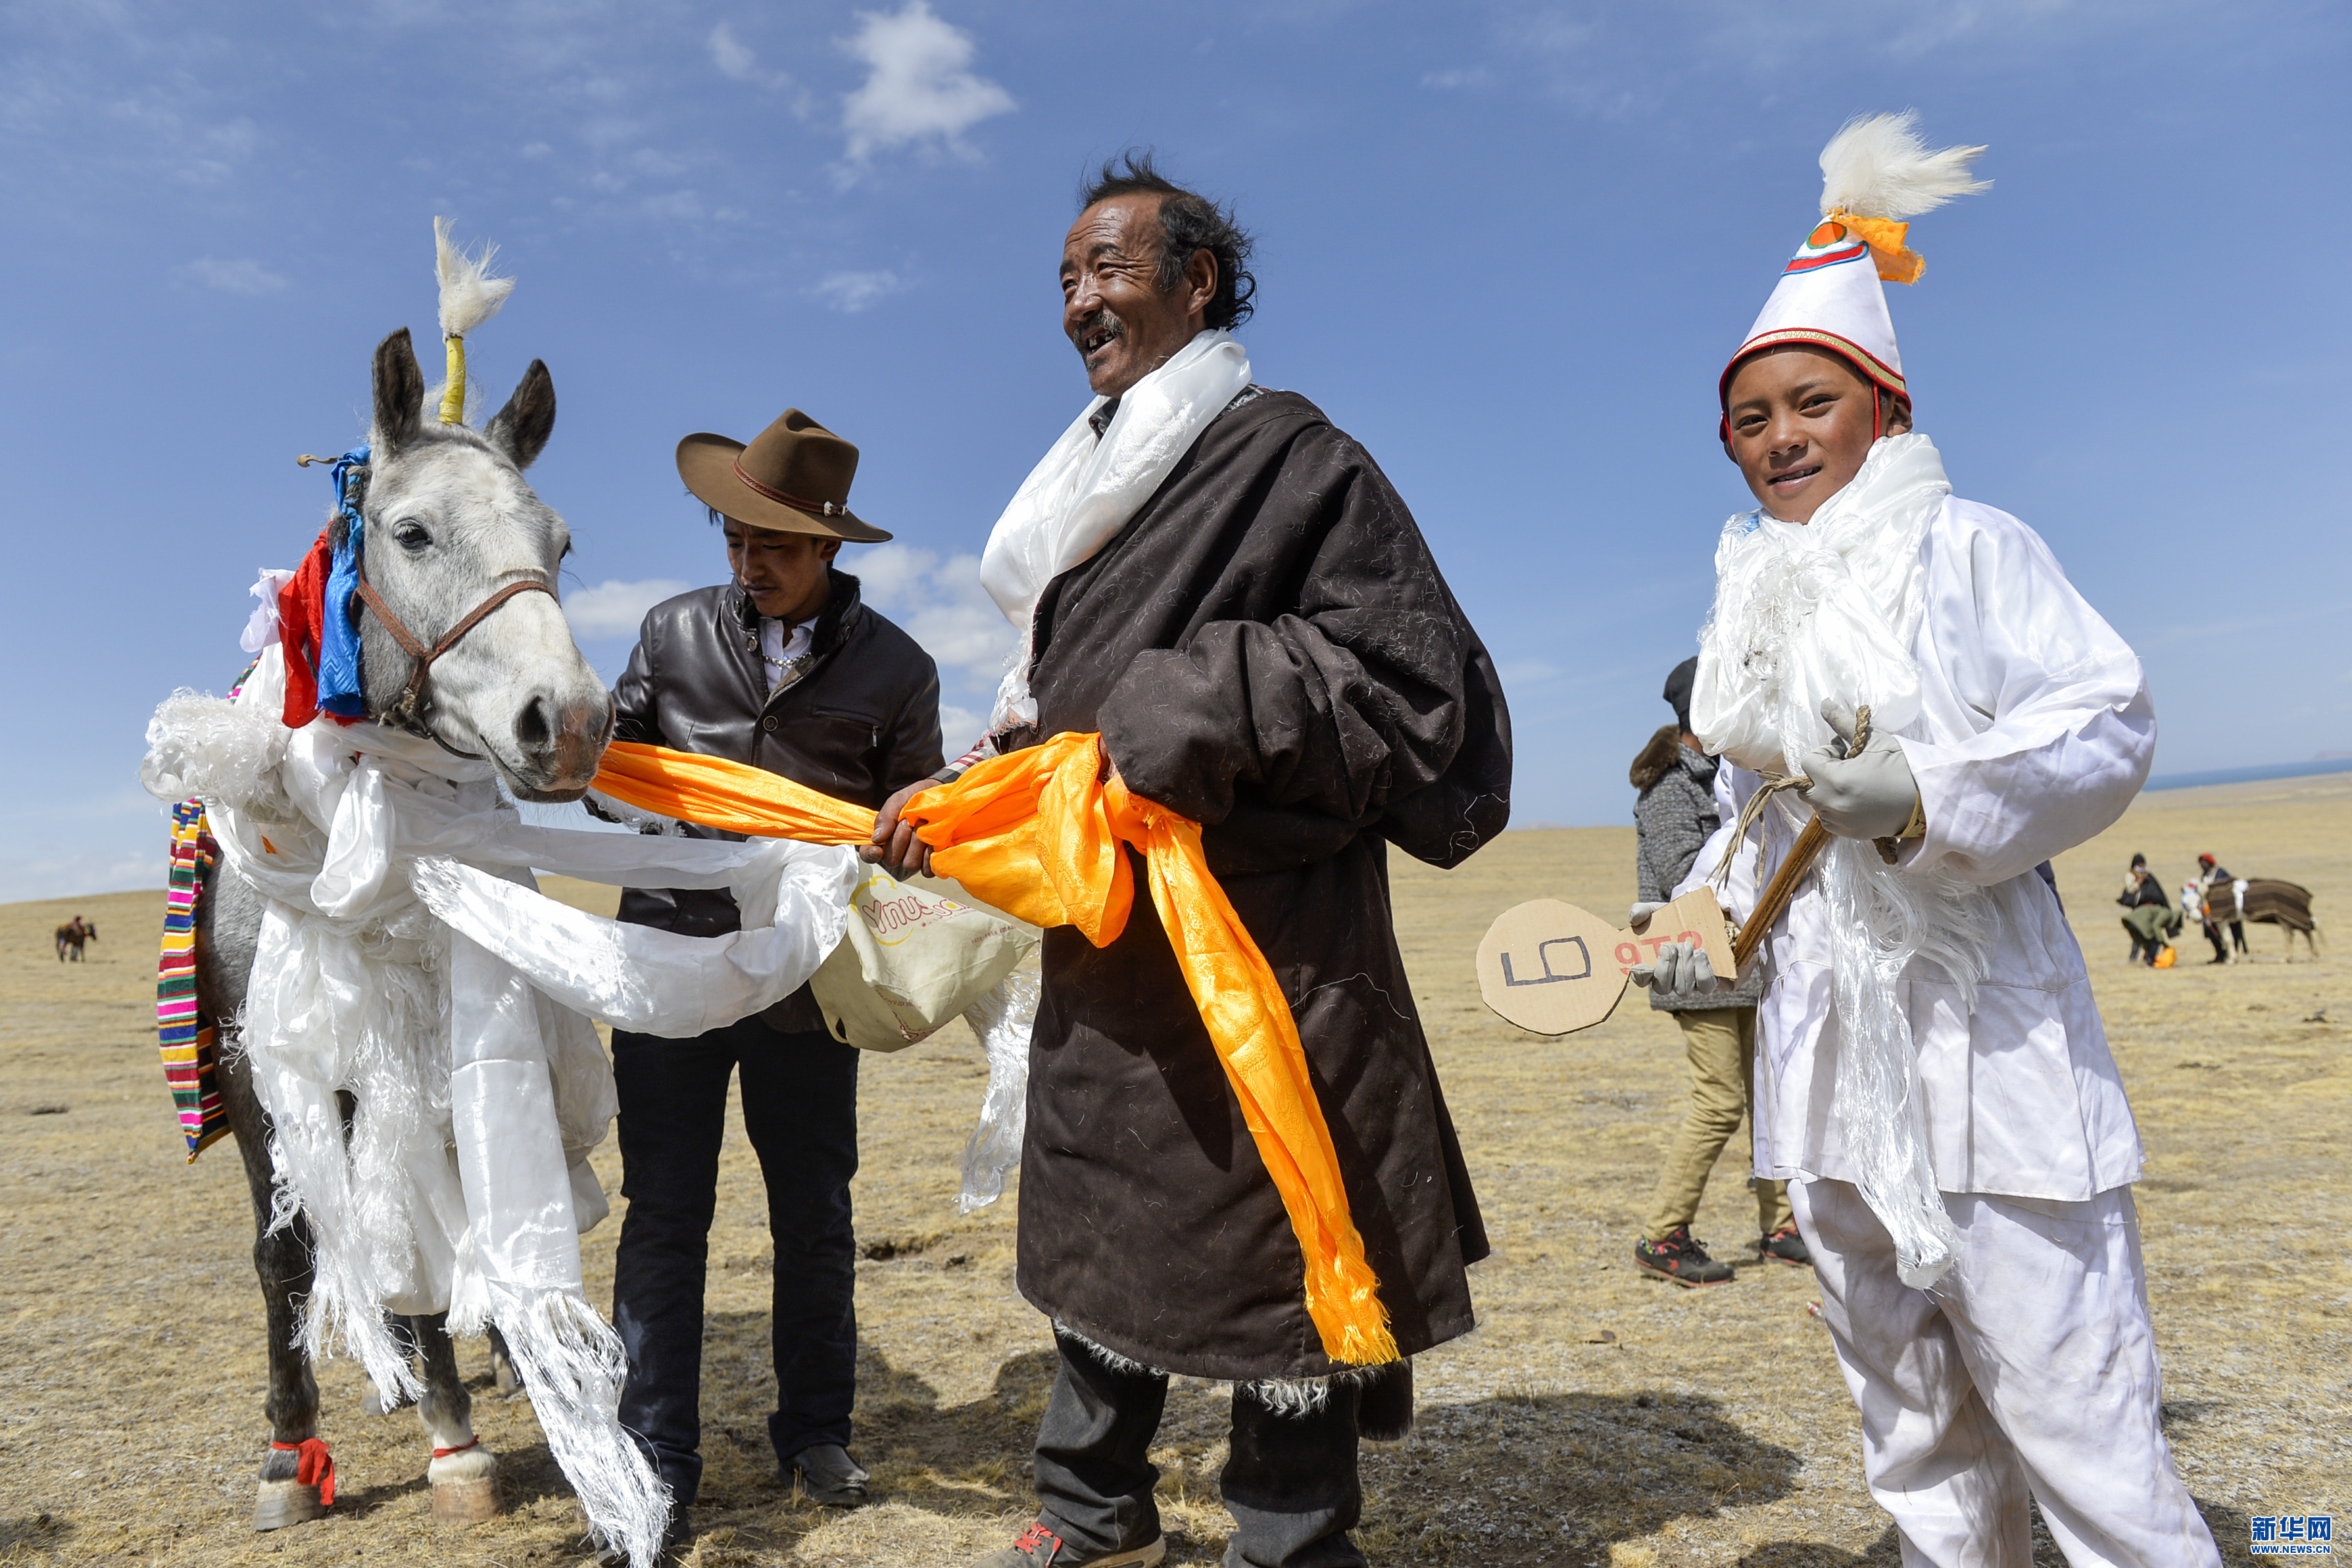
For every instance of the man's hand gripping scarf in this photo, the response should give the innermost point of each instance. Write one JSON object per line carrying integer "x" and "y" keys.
{"x": 1040, "y": 834}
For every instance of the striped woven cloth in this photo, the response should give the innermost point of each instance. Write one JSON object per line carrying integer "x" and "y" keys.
{"x": 191, "y": 1055}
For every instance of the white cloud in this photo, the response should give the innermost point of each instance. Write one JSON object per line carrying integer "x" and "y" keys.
{"x": 920, "y": 89}
{"x": 615, "y": 609}
{"x": 943, "y": 607}
{"x": 850, "y": 292}
{"x": 737, "y": 62}
{"x": 242, "y": 276}
{"x": 961, "y": 727}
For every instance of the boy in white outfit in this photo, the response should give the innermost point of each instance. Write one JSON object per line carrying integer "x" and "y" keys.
{"x": 1933, "y": 1078}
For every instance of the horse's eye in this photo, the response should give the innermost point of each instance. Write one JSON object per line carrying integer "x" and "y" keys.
{"x": 410, "y": 533}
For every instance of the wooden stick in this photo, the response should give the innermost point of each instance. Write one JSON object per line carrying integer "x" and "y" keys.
{"x": 1802, "y": 856}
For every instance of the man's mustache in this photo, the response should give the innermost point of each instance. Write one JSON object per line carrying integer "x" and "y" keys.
{"x": 1096, "y": 330}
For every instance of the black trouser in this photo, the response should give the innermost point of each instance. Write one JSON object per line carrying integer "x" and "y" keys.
{"x": 2220, "y": 950}
{"x": 800, "y": 1109}
{"x": 1290, "y": 1484}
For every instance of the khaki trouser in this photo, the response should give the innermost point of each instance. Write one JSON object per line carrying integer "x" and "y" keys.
{"x": 1722, "y": 1045}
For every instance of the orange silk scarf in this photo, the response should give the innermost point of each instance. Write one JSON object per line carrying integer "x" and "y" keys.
{"x": 1039, "y": 835}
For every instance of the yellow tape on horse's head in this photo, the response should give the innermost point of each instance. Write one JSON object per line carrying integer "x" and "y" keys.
{"x": 453, "y": 396}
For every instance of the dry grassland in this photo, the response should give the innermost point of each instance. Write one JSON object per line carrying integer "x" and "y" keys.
{"x": 1712, "y": 1428}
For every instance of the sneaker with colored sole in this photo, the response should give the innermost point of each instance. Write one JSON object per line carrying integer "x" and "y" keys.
{"x": 1039, "y": 1547}
{"x": 1785, "y": 1245}
{"x": 1681, "y": 1260}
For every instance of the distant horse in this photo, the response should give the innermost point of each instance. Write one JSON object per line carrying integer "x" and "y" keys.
{"x": 451, "y": 520}
{"x": 70, "y": 936}
{"x": 2267, "y": 900}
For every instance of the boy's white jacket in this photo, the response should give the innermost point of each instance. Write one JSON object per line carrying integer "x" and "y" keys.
{"x": 2039, "y": 733}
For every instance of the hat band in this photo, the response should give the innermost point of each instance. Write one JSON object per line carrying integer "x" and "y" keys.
{"x": 821, "y": 508}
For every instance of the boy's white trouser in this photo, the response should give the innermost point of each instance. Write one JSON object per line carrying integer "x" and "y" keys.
{"x": 2030, "y": 1365}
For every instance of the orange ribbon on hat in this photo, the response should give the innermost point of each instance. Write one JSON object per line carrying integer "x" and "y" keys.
{"x": 1896, "y": 262}
{"x": 1041, "y": 835}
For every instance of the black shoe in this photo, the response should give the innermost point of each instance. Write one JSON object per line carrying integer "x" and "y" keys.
{"x": 1785, "y": 1245}
{"x": 1681, "y": 1260}
{"x": 829, "y": 1475}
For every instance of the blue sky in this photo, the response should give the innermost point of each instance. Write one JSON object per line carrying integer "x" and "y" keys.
{"x": 1507, "y": 247}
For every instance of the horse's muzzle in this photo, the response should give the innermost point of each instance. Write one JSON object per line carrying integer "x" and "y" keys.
{"x": 558, "y": 747}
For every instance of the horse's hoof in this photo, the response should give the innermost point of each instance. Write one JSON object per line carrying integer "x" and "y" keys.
{"x": 466, "y": 1503}
{"x": 281, "y": 1503}
{"x": 465, "y": 1487}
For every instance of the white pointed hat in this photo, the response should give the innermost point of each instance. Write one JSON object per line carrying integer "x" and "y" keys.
{"x": 1875, "y": 173}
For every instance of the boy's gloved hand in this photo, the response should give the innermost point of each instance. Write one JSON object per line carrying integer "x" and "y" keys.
{"x": 1642, "y": 911}
{"x": 1681, "y": 969}
{"x": 1868, "y": 796}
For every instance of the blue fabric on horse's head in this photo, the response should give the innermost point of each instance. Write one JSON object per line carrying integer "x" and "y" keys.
{"x": 341, "y": 689}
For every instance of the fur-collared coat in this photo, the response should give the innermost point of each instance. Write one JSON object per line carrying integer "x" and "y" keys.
{"x": 1269, "y": 648}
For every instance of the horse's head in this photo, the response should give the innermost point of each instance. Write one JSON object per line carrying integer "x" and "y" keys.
{"x": 450, "y": 521}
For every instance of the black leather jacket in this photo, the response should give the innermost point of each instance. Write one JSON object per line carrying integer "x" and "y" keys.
{"x": 861, "y": 721}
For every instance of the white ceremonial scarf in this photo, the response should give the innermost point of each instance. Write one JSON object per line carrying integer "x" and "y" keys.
{"x": 1832, "y": 609}
{"x": 405, "y": 957}
{"x": 1083, "y": 490}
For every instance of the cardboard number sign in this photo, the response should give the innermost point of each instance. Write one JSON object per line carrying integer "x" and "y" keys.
{"x": 1552, "y": 968}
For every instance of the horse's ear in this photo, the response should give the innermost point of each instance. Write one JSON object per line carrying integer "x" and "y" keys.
{"x": 399, "y": 394}
{"x": 520, "y": 429}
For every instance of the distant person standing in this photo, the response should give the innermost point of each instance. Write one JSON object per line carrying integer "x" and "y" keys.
{"x": 2212, "y": 880}
{"x": 1675, "y": 815}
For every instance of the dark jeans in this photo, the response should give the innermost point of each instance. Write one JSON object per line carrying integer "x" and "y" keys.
{"x": 1290, "y": 1484}
{"x": 800, "y": 1109}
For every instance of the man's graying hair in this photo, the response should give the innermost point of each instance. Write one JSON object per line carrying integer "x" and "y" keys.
{"x": 1188, "y": 222}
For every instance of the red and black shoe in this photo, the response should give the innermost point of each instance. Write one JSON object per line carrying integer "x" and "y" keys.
{"x": 1039, "y": 1547}
{"x": 1681, "y": 1260}
{"x": 1785, "y": 1245}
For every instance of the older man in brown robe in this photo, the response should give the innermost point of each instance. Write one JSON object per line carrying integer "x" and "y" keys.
{"x": 1230, "y": 592}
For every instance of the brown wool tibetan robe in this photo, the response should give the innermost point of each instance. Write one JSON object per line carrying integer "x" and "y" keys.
{"x": 1267, "y": 647}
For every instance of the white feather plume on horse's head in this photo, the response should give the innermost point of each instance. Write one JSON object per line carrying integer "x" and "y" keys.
{"x": 469, "y": 296}
{"x": 1876, "y": 166}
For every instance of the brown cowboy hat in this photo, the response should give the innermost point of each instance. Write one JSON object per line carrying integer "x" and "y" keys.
{"x": 794, "y": 478}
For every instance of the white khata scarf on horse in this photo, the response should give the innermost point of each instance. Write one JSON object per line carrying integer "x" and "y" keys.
{"x": 1828, "y": 611}
{"x": 1086, "y": 488}
{"x": 406, "y": 960}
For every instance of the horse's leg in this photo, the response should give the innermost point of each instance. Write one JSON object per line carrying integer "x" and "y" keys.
{"x": 463, "y": 1474}
{"x": 505, "y": 1376}
{"x": 282, "y": 1259}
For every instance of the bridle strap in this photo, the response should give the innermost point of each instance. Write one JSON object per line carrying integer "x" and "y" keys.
{"x": 404, "y": 712}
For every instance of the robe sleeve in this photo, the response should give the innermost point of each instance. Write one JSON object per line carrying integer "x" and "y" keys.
{"x": 1357, "y": 701}
{"x": 2067, "y": 730}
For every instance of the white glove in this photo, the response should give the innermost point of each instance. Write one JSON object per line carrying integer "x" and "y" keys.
{"x": 1681, "y": 969}
{"x": 1866, "y": 796}
{"x": 1642, "y": 911}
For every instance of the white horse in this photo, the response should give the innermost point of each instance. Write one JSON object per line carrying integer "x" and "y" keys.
{"x": 463, "y": 641}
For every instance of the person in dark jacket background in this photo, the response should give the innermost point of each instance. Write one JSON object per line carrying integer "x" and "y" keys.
{"x": 782, "y": 668}
{"x": 1673, "y": 816}
{"x": 2149, "y": 915}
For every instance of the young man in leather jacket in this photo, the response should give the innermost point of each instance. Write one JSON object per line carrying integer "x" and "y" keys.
{"x": 783, "y": 668}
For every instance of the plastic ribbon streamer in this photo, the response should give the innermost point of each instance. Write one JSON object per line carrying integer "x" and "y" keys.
{"x": 1040, "y": 834}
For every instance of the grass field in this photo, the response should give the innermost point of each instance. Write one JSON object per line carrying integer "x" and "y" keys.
{"x": 1595, "y": 1417}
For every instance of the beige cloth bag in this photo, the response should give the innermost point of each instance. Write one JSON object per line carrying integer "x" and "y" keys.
{"x": 915, "y": 955}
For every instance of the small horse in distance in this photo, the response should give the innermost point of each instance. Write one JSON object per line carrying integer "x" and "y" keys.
{"x": 71, "y": 936}
{"x": 450, "y": 520}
